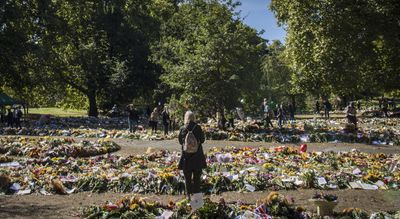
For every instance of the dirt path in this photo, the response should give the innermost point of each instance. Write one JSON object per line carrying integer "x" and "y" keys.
{"x": 60, "y": 206}
{"x": 129, "y": 147}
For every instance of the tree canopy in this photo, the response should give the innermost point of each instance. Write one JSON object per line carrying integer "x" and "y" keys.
{"x": 196, "y": 53}
{"x": 208, "y": 56}
{"x": 343, "y": 47}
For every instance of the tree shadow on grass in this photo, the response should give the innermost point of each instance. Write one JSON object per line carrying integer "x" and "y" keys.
{"x": 28, "y": 210}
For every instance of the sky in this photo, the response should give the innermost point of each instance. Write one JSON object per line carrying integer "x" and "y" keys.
{"x": 256, "y": 14}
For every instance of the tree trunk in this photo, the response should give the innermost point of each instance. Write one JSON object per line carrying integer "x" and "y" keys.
{"x": 92, "y": 104}
{"x": 293, "y": 97}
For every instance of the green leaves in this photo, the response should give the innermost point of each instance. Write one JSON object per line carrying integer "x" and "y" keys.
{"x": 333, "y": 45}
{"x": 207, "y": 55}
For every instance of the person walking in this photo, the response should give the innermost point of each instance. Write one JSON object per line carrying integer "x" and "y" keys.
{"x": 133, "y": 118}
{"x": 351, "y": 114}
{"x": 10, "y": 118}
{"x": 165, "y": 120}
{"x": 193, "y": 161}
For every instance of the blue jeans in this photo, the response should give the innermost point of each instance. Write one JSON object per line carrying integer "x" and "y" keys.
{"x": 132, "y": 125}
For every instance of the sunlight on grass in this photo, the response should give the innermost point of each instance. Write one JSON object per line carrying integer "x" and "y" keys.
{"x": 58, "y": 112}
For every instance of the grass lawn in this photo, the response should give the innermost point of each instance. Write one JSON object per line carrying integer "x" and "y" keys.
{"x": 311, "y": 116}
{"x": 58, "y": 112}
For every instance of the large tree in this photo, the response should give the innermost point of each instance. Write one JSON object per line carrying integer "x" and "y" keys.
{"x": 340, "y": 46}
{"x": 99, "y": 48}
{"x": 208, "y": 56}
{"x": 17, "y": 45}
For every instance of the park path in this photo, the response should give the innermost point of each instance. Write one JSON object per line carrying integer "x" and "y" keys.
{"x": 132, "y": 147}
{"x": 129, "y": 147}
{"x": 61, "y": 206}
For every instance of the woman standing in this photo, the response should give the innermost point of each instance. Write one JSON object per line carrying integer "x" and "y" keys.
{"x": 165, "y": 120}
{"x": 154, "y": 120}
{"x": 192, "y": 162}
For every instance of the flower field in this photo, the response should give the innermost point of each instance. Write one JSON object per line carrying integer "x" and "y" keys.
{"x": 274, "y": 205}
{"x": 373, "y": 131}
{"x": 58, "y": 165}
{"x": 55, "y": 159}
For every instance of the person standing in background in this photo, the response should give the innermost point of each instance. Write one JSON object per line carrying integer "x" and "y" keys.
{"x": 351, "y": 114}
{"x": 10, "y": 118}
{"x": 17, "y": 117}
{"x": 264, "y": 107}
{"x": 280, "y": 116}
{"x": 165, "y": 120}
{"x": 327, "y": 108}
{"x": 154, "y": 120}
{"x": 221, "y": 120}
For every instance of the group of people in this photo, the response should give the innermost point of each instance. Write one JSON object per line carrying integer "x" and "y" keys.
{"x": 280, "y": 112}
{"x": 326, "y": 107}
{"x": 159, "y": 112}
{"x": 13, "y": 117}
{"x": 155, "y": 116}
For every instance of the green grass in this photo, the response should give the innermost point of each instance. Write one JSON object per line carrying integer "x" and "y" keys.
{"x": 311, "y": 116}
{"x": 58, "y": 112}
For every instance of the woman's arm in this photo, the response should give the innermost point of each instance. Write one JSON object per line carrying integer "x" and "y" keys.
{"x": 180, "y": 137}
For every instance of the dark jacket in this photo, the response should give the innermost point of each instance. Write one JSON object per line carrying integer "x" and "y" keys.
{"x": 165, "y": 117}
{"x": 133, "y": 114}
{"x": 198, "y": 159}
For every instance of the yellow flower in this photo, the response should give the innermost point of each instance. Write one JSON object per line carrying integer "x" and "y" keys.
{"x": 245, "y": 207}
{"x": 267, "y": 165}
{"x": 133, "y": 206}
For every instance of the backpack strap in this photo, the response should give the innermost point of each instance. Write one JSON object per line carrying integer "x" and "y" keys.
{"x": 190, "y": 131}
{"x": 192, "y": 128}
